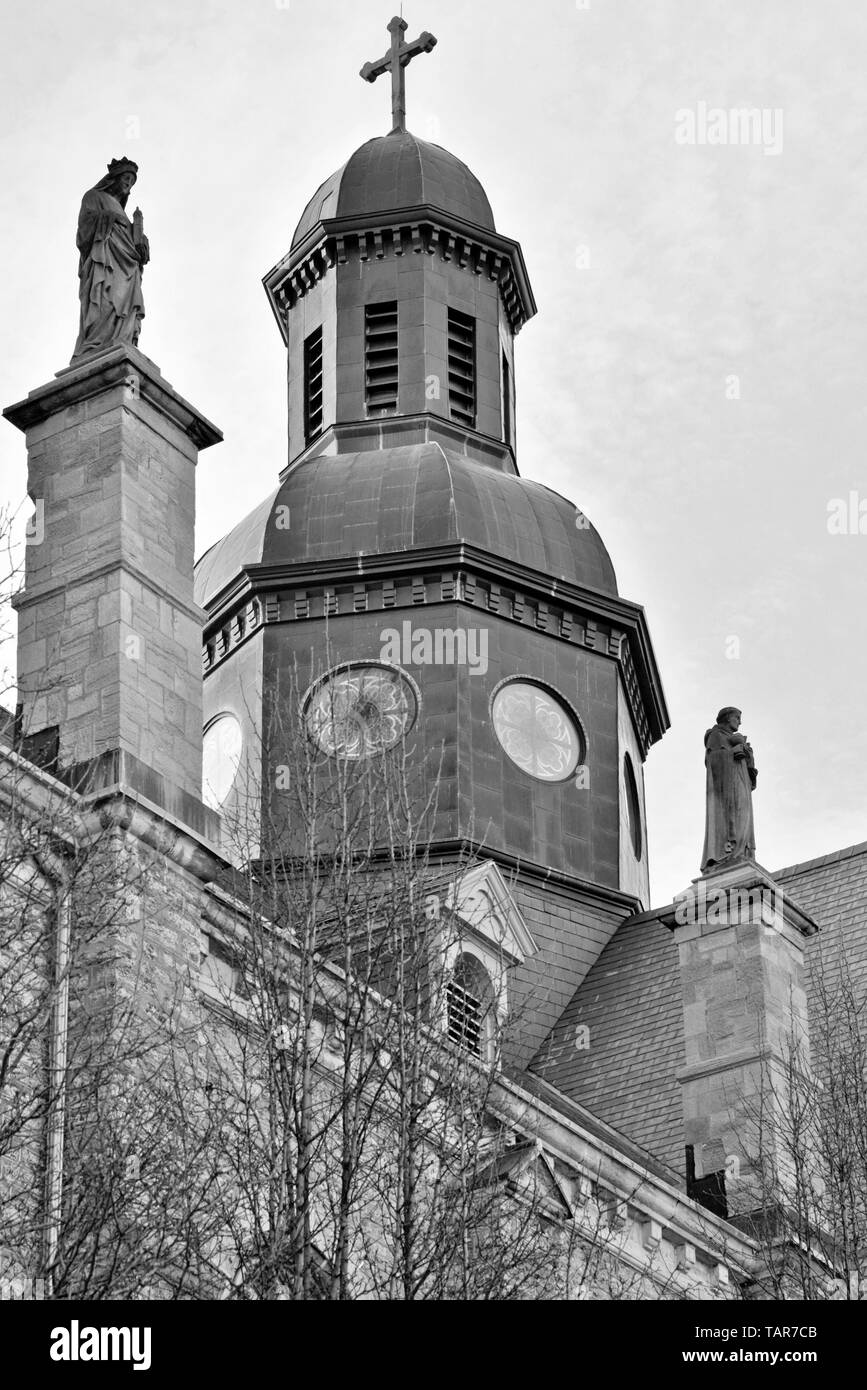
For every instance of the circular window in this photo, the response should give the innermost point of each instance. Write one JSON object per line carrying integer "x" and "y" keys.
{"x": 633, "y": 805}
{"x": 221, "y": 758}
{"x": 360, "y": 710}
{"x": 536, "y": 731}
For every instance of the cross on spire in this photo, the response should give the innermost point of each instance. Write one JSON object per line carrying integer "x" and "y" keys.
{"x": 395, "y": 60}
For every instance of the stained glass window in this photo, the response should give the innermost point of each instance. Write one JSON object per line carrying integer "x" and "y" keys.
{"x": 360, "y": 710}
{"x": 536, "y": 731}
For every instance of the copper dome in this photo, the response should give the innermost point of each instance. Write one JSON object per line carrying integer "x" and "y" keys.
{"x": 397, "y": 171}
{"x": 387, "y": 501}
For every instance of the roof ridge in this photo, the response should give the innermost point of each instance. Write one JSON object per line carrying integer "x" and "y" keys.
{"x": 420, "y": 165}
{"x": 835, "y": 857}
{"x": 453, "y": 506}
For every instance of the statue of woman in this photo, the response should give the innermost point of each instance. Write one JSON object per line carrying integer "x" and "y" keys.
{"x": 113, "y": 252}
{"x": 731, "y": 776}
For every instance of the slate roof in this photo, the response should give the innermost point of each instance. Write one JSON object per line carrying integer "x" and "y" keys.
{"x": 398, "y": 171}
{"x": 383, "y": 501}
{"x": 226, "y": 558}
{"x": 833, "y": 889}
{"x": 631, "y": 1002}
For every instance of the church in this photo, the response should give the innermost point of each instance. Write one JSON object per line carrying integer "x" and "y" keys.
{"x": 406, "y": 597}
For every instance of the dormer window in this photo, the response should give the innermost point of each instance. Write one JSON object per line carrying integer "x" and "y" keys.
{"x": 462, "y": 368}
{"x": 482, "y": 935}
{"x": 380, "y": 357}
{"x": 313, "y": 385}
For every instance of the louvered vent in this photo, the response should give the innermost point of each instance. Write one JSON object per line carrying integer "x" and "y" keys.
{"x": 507, "y": 401}
{"x": 313, "y": 385}
{"x": 380, "y": 357}
{"x": 464, "y": 1017}
{"x": 462, "y": 368}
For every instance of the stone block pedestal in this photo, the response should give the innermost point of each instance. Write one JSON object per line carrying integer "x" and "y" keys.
{"x": 740, "y": 940}
{"x": 109, "y": 642}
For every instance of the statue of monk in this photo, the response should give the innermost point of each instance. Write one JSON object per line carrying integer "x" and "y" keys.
{"x": 731, "y": 776}
{"x": 113, "y": 253}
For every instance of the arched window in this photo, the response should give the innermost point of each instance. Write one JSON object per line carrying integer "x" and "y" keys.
{"x": 470, "y": 1018}
{"x": 633, "y": 805}
{"x": 221, "y": 757}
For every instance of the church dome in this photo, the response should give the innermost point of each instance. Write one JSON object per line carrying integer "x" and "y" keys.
{"x": 385, "y": 501}
{"x": 397, "y": 171}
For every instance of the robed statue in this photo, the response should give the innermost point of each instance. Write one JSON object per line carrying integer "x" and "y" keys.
{"x": 113, "y": 251}
{"x": 731, "y": 776}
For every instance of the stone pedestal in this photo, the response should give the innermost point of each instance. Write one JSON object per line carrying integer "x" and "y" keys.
{"x": 109, "y": 642}
{"x": 740, "y": 940}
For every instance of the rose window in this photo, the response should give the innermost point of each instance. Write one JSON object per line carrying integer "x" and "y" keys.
{"x": 360, "y": 710}
{"x": 536, "y": 731}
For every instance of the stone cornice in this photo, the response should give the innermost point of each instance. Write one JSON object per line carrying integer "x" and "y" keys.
{"x": 784, "y": 915}
{"x": 684, "y": 1220}
{"x": 72, "y": 819}
{"x": 422, "y": 230}
{"x": 527, "y": 869}
{"x": 613, "y": 627}
{"x": 119, "y": 808}
{"x": 450, "y": 855}
{"x": 124, "y": 367}
{"x": 117, "y": 768}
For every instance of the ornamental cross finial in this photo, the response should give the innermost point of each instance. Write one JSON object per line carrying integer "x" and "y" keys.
{"x": 395, "y": 60}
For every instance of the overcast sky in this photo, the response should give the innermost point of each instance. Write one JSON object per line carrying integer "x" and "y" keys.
{"x": 695, "y": 377}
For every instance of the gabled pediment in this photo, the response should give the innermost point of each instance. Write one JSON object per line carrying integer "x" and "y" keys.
{"x": 528, "y": 1171}
{"x": 485, "y": 905}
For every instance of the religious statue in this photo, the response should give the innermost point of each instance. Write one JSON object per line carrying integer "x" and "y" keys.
{"x": 114, "y": 251}
{"x": 731, "y": 777}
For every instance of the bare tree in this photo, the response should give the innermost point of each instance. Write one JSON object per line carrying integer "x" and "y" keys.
{"x": 312, "y": 1111}
{"x": 101, "y": 1184}
{"x": 355, "y": 1065}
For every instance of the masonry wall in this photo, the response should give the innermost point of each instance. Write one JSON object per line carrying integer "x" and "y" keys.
{"x": 109, "y": 645}
{"x": 564, "y": 826}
